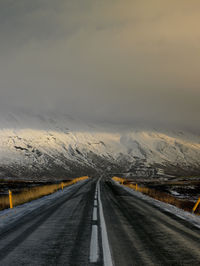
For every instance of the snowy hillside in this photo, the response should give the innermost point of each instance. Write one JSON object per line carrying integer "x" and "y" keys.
{"x": 58, "y": 146}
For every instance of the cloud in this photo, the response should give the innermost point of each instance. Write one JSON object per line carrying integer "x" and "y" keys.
{"x": 120, "y": 61}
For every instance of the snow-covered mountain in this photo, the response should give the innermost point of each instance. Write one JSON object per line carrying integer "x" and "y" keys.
{"x": 58, "y": 146}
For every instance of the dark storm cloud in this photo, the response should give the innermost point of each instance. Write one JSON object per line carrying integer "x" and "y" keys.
{"x": 122, "y": 61}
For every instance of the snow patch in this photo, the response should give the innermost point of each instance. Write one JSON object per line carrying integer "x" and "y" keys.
{"x": 189, "y": 217}
{"x": 10, "y": 216}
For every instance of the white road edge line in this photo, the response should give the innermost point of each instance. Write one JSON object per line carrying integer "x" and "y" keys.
{"x": 107, "y": 258}
{"x": 94, "y": 248}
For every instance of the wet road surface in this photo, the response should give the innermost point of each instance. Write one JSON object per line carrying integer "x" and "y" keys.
{"x": 99, "y": 223}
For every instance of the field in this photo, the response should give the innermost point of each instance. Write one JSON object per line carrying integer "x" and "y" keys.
{"x": 181, "y": 192}
{"x": 25, "y": 191}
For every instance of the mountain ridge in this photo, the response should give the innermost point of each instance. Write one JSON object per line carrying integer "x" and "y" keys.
{"x": 59, "y": 147}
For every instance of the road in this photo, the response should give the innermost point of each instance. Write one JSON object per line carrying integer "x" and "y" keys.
{"x": 99, "y": 223}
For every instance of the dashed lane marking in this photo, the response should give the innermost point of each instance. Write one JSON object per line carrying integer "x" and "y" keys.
{"x": 94, "y": 218}
{"x": 95, "y": 203}
{"x": 94, "y": 248}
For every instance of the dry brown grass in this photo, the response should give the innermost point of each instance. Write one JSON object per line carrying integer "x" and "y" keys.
{"x": 30, "y": 194}
{"x": 161, "y": 196}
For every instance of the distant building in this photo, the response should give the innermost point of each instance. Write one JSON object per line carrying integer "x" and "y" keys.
{"x": 142, "y": 171}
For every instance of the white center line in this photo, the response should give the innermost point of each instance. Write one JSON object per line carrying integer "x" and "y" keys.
{"x": 94, "y": 248}
{"x": 95, "y": 202}
{"x": 105, "y": 244}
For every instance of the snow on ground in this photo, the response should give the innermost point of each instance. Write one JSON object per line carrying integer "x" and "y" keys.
{"x": 175, "y": 193}
{"x": 28, "y": 139}
{"x": 189, "y": 217}
{"x": 10, "y": 216}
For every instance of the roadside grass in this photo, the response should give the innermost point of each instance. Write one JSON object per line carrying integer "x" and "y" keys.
{"x": 184, "y": 204}
{"x": 29, "y": 194}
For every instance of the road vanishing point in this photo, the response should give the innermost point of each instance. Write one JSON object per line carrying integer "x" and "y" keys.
{"x": 98, "y": 222}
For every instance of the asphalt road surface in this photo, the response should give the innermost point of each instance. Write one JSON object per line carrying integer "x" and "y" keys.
{"x": 99, "y": 223}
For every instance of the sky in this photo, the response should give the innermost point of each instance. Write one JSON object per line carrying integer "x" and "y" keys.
{"x": 120, "y": 61}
